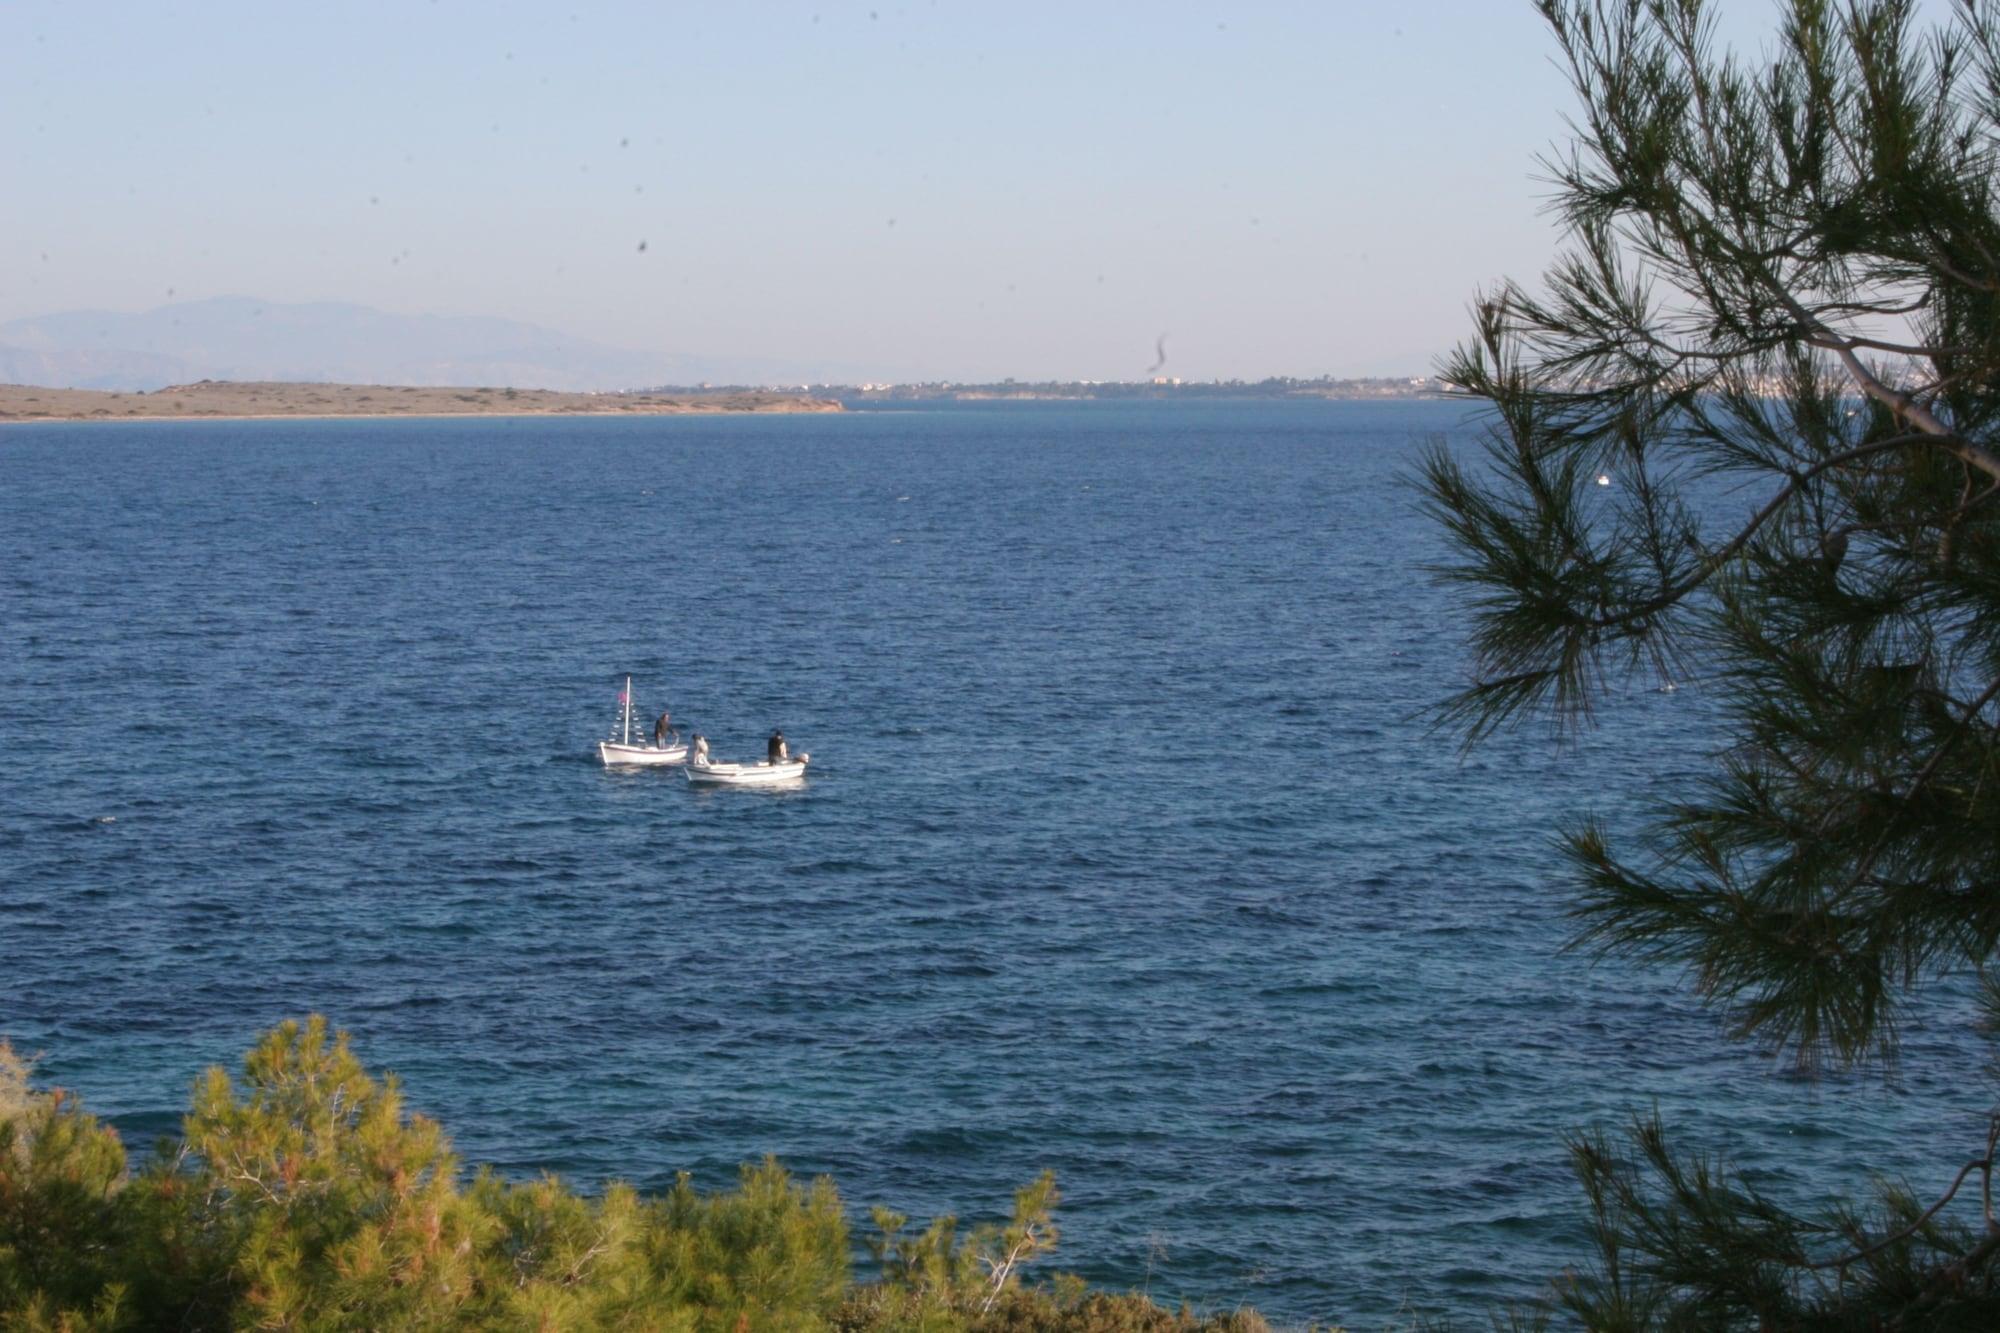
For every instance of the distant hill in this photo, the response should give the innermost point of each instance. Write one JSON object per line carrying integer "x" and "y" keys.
{"x": 216, "y": 399}
{"x": 241, "y": 338}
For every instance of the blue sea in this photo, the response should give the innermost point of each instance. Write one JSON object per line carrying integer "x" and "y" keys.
{"x": 1127, "y": 848}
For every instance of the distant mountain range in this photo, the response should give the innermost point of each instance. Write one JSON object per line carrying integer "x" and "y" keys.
{"x": 241, "y": 338}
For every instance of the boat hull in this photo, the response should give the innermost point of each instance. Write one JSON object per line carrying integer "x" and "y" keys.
{"x": 616, "y": 755}
{"x": 744, "y": 775}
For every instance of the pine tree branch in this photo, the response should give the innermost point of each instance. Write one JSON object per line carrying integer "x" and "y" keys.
{"x": 1927, "y": 350}
{"x": 1900, "y": 403}
{"x": 1983, "y": 1165}
{"x": 1720, "y": 557}
{"x": 1924, "y": 775}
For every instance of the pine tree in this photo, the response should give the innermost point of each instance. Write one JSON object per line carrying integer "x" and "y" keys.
{"x": 1783, "y": 284}
{"x": 61, "y": 1230}
{"x": 306, "y": 1197}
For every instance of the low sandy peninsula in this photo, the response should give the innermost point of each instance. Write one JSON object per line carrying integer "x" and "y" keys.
{"x": 219, "y": 398}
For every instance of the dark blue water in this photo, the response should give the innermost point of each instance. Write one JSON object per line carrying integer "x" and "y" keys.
{"x": 1124, "y": 852}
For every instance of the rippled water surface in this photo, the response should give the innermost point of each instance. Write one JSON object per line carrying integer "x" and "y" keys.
{"x": 1124, "y": 851}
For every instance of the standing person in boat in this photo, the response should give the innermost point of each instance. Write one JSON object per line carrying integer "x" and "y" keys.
{"x": 775, "y": 752}
{"x": 698, "y": 751}
{"x": 661, "y": 731}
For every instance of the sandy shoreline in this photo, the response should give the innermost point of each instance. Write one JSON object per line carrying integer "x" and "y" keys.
{"x": 231, "y": 401}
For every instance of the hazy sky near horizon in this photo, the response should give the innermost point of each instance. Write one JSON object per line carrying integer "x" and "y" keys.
{"x": 903, "y": 188}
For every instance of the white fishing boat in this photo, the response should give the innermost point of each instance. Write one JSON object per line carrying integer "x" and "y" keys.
{"x": 706, "y": 772}
{"x": 761, "y": 774}
{"x": 620, "y": 750}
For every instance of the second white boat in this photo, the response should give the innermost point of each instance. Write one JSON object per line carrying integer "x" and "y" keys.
{"x": 746, "y": 775}
{"x": 706, "y": 772}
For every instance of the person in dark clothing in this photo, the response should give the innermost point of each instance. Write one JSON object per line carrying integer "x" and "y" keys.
{"x": 661, "y": 730}
{"x": 775, "y": 752}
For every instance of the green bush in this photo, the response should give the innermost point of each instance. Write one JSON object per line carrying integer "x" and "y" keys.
{"x": 304, "y": 1196}
{"x": 62, "y": 1229}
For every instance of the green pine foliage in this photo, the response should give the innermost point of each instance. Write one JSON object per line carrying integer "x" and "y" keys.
{"x": 304, "y": 1195}
{"x": 62, "y": 1229}
{"x": 1781, "y": 304}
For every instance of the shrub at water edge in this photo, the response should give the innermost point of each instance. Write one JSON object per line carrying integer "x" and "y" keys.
{"x": 305, "y": 1196}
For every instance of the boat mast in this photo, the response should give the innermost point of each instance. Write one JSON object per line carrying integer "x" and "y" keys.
{"x": 628, "y": 710}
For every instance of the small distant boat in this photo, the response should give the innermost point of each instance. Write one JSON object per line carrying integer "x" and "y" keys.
{"x": 745, "y": 775}
{"x": 620, "y": 751}
{"x": 705, "y": 772}
{"x": 1604, "y": 479}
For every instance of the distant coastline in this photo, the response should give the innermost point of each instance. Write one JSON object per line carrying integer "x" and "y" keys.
{"x": 233, "y": 399}
{"x": 224, "y": 400}
{"x": 1157, "y": 389}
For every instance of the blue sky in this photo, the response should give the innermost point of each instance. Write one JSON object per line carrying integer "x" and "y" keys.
{"x": 917, "y": 189}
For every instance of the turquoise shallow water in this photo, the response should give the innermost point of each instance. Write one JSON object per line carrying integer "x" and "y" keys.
{"x": 1125, "y": 851}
